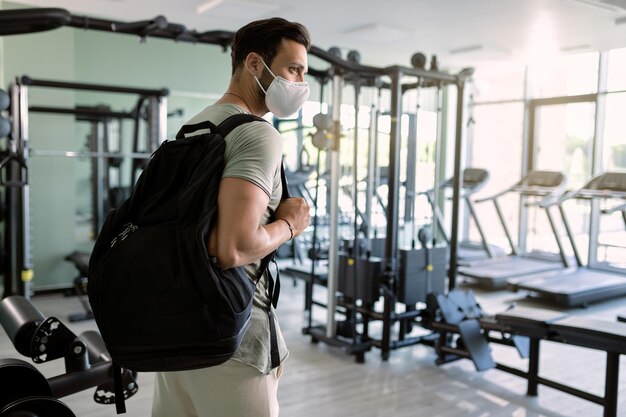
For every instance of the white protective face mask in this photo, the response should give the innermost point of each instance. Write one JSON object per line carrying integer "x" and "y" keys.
{"x": 283, "y": 97}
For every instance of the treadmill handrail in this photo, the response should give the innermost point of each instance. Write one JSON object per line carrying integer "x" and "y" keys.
{"x": 560, "y": 199}
{"x": 524, "y": 190}
{"x": 621, "y": 207}
{"x": 587, "y": 193}
{"x": 530, "y": 190}
{"x": 545, "y": 202}
{"x": 471, "y": 187}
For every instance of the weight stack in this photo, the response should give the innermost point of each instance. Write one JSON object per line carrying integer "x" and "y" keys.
{"x": 367, "y": 282}
{"x": 415, "y": 282}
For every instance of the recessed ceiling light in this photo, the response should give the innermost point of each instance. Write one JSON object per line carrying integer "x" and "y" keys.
{"x": 612, "y": 5}
{"x": 482, "y": 51}
{"x": 575, "y": 48}
{"x": 237, "y": 9}
{"x": 377, "y": 33}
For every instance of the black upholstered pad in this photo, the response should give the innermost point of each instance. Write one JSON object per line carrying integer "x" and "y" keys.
{"x": 596, "y": 334}
{"x": 533, "y": 322}
{"x": 80, "y": 260}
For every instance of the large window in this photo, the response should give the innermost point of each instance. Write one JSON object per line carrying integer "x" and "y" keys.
{"x": 497, "y": 146}
{"x": 499, "y": 82}
{"x": 617, "y": 70}
{"x": 614, "y": 152}
{"x": 565, "y": 76}
{"x": 563, "y": 135}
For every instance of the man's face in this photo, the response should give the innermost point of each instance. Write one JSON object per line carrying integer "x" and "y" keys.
{"x": 290, "y": 62}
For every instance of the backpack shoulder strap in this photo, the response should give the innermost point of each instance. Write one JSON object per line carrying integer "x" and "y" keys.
{"x": 186, "y": 129}
{"x": 223, "y": 128}
{"x": 283, "y": 180}
{"x": 236, "y": 120}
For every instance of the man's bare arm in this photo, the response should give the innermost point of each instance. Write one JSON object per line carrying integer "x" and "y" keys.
{"x": 238, "y": 237}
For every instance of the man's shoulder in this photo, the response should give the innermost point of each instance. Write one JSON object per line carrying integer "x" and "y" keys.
{"x": 257, "y": 129}
{"x": 215, "y": 113}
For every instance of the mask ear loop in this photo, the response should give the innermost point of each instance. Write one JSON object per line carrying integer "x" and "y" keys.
{"x": 257, "y": 78}
{"x": 259, "y": 83}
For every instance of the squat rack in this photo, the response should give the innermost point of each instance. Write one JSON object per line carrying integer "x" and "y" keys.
{"x": 18, "y": 269}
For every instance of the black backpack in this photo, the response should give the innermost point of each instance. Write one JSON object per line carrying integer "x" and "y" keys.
{"x": 160, "y": 302}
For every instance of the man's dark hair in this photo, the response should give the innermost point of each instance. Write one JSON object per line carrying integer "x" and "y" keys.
{"x": 264, "y": 37}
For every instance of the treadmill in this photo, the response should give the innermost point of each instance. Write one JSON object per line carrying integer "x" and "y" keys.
{"x": 474, "y": 179}
{"x": 598, "y": 280}
{"x": 536, "y": 188}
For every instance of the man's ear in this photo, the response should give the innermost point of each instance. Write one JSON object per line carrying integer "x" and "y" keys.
{"x": 253, "y": 64}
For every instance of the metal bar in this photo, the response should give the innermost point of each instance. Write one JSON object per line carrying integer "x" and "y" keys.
{"x": 533, "y": 367}
{"x": 162, "y": 115}
{"x": 510, "y": 370}
{"x": 11, "y": 197}
{"x": 159, "y": 27}
{"x": 458, "y": 352}
{"x": 371, "y": 168}
{"x": 89, "y": 154}
{"x": 572, "y": 391}
{"x": 374, "y": 71}
{"x": 594, "y": 232}
{"x": 438, "y": 216}
{"x": 63, "y": 385}
{"x": 514, "y": 249}
{"x": 411, "y": 165}
{"x": 89, "y": 112}
{"x": 596, "y": 163}
{"x": 439, "y": 160}
{"x": 93, "y": 168}
{"x": 391, "y": 242}
{"x": 557, "y": 238}
{"x": 456, "y": 188}
{"x": 155, "y": 124}
{"x": 611, "y": 384}
{"x": 528, "y": 153}
{"x": 33, "y": 82}
{"x": 551, "y": 101}
{"x": 333, "y": 248}
{"x": 25, "y": 261}
{"x": 355, "y": 200}
{"x": 481, "y": 231}
{"x": 570, "y": 235}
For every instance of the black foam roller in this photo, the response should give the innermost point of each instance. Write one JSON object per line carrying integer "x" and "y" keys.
{"x": 20, "y": 320}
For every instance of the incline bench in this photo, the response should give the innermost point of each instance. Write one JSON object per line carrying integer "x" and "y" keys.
{"x": 525, "y": 328}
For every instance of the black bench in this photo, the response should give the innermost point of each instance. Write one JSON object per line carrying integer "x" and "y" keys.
{"x": 465, "y": 331}
{"x": 81, "y": 261}
{"x": 578, "y": 331}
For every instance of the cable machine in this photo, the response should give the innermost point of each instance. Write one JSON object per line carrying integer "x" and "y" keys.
{"x": 359, "y": 280}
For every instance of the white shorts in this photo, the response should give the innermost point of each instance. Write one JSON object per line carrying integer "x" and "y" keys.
{"x": 232, "y": 389}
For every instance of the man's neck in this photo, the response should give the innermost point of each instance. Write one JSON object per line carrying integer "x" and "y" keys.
{"x": 243, "y": 93}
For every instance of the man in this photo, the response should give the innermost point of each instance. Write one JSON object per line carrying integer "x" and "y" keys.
{"x": 269, "y": 61}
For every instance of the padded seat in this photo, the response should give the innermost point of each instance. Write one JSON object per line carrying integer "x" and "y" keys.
{"x": 80, "y": 260}
{"x": 609, "y": 336}
{"x": 533, "y": 322}
{"x": 304, "y": 272}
